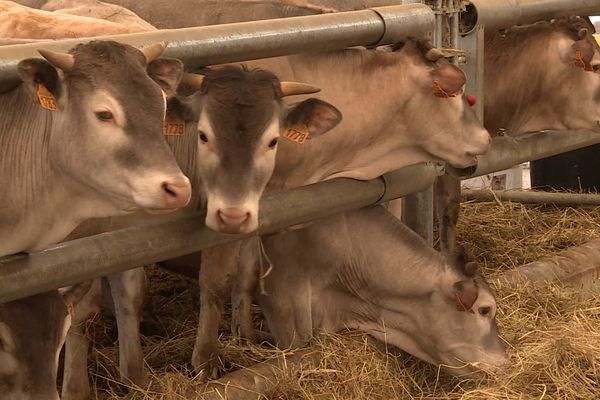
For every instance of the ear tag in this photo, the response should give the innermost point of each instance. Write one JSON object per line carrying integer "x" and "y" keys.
{"x": 298, "y": 134}
{"x": 438, "y": 91}
{"x": 46, "y": 99}
{"x": 173, "y": 127}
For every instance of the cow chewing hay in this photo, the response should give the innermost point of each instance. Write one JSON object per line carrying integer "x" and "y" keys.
{"x": 552, "y": 334}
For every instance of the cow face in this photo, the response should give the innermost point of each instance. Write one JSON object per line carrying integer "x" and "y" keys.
{"x": 240, "y": 118}
{"x": 454, "y": 326}
{"x": 106, "y": 120}
{"x": 32, "y": 333}
{"x": 444, "y": 123}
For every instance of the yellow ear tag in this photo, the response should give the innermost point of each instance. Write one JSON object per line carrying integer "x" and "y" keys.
{"x": 298, "y": 134}
{"x": 173, "y": 127}
{"x": 46, "y": 99}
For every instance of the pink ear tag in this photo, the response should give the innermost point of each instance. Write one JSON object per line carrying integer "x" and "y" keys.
{"x": 471, "y": 99}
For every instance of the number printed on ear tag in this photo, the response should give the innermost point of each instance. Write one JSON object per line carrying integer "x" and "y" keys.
{"x": 46, "y": 99}
{"x": 298, "y": 134}
{"x": 173, "y": 127}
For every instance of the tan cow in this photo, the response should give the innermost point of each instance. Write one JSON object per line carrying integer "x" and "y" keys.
{"x": 17, "y": 21}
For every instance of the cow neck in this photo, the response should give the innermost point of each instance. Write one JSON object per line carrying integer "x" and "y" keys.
{"x": 394, "y": 269}
{"x": 371, "y": 139}
{"x": 37, "y": 206}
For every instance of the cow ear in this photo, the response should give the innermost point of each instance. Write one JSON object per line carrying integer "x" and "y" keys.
{"x": 181, "y": 108}
{"x": 465, "y": 294}
{"x": 73, "y": 295}
{"x": 35, "y": 72}
{"x": 167, "y": 72}
{"x": 316, "y": 115}
{"x": 447, "y": 80}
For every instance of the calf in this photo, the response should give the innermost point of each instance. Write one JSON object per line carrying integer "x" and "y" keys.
{"x": 231, "y": 125}
{"x": 32, "y": 333}
{"x": 86, "y": 142}
{"x": 365, "y": 270}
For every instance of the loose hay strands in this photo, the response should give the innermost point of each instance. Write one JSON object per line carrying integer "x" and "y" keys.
{"x": 552, "y": 336}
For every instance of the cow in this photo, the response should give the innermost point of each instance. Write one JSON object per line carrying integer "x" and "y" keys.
{"x": 86, "y": 142}
{"x": 366, "y": 270}
{"x": 557, "y": 87}
{"x": 17, "y": 21}
{"x": 230, "y": 131}
{"x": 81, "y": 137}
{"x": 32, "y": 333}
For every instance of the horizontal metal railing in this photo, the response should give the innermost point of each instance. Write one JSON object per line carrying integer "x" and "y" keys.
{"x": 107, "y": 253}
{"x": 244, "y": 41}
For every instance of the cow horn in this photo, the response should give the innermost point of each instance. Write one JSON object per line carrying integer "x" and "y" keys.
{"x": 194, "y": 81}
{"x": 294, "y": 88}
{"x": 434, "y": 54}
{"x": 154, "y": 51}
{"x": 64, "y": 61}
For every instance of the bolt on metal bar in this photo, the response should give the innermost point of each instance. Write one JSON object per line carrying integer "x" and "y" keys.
{"x": 244, "y": 41}
{"x": 108, "y": 253}
{"x": 495, "y": 14}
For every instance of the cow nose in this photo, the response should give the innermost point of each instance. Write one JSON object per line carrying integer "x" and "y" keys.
{"x": 232, "y": 220}
{"x": 176, "y": 194}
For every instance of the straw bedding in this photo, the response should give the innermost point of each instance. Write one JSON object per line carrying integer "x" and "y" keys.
{"x": 552, "y": 334}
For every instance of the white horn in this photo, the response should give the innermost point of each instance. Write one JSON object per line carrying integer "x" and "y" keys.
{"x": 63, "y": 61}
{"x": 294, "y": 88}
{"x": 154, "y": 51}
{"x": 194, "y": 81}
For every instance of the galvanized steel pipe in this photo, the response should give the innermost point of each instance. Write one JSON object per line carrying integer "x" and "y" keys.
{"x": 108, "y": 253}
{"x": 496, "y": 14}
{"x": 533, "y": 197}
{"x": 507, "y": 151}
{"x": 244, "y": 41}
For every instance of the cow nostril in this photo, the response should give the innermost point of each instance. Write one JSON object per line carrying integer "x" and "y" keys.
{"x": 176, "y": 194}
{"x": 166, "y": 188}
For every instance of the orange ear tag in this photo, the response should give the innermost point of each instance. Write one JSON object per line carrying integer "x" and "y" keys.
{"x": 298, "y": 134}
{"x": 173, "y": 127}
{"x": 46, "y": 99}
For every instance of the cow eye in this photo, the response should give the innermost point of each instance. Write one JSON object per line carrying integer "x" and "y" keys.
{"x": 273, "y": 143}
{"x": 105, "y": 116}
{"x": 484, "y": 311}
{"x": 203, "y": 137}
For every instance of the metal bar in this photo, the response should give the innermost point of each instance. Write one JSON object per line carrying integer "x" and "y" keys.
{"x": 533, "y": 197}
{"x": 417, "y": 213}
{"x": 578, "y": 267}
{"x": 104, "y": 254}
{"x": 507, "y": 152}
{"x": 217, "y": 44}
{"x": 495, "y": 14}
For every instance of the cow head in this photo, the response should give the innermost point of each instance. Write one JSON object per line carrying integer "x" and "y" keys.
{"x": 105, "y": 116}
{"x": 32, "y": 333}
{"x": 240, "y": 116}
{"x": 444, "y": 124}
{"x": 451, "y": 323}
{"x": 465, "y": 333}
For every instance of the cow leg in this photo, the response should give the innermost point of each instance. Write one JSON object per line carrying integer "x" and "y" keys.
{"x": 76, "y": 384}
{"x": 127, "y": 290}
{"x": 447, "y": 207}
{"x": 245, "y": 285}
{"x": 219, "y": 265}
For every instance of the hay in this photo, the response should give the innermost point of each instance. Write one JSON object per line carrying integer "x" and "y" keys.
{"x": 553, "y": 337}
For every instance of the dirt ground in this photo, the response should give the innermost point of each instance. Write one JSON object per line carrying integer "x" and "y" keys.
{"x": 552, "y": 335}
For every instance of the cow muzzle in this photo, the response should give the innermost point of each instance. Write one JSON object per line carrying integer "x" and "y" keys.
{"x": 176, "y": 194}
{"x": 233, "y": 220}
